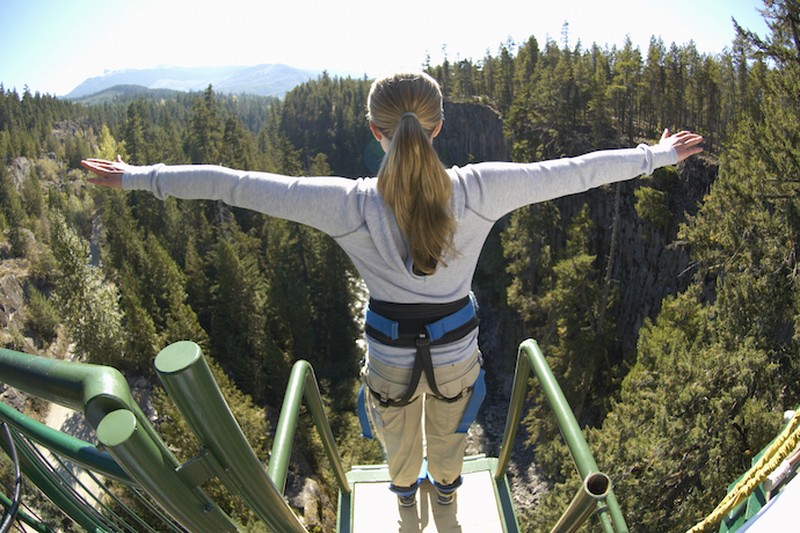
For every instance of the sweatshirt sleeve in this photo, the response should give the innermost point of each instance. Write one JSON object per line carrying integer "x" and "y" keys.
{"x": 495, "y": 189}
{"x": 330, "y": 204}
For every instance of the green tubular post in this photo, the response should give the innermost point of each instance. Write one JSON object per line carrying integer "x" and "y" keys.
{"x": 530, "y": 358}
{"x": 519, "y": 391}
{"x": 593, "y": 489}
{"x": 303, "y": 383}
{"x": 133, "y": 448}
{"x": 189, "y": 382}
{"x": 79, "y": 451}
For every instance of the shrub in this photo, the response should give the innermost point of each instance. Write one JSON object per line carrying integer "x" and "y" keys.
{"x": 43, "y": 319}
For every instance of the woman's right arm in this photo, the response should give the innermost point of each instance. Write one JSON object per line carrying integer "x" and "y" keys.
{"x": 326, "y": 203}
{"x": 109, "y": 172}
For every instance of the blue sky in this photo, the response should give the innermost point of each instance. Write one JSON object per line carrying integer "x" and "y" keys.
{"x": 53, "y": 45}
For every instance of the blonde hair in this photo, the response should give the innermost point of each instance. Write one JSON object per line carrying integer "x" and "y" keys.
{"x": 407, "y": 109}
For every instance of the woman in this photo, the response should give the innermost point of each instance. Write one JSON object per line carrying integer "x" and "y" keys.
{"x": 414, "y": 233}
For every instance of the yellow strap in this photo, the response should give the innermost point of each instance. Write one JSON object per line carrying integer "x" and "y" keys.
{"x": 779, "y": 450}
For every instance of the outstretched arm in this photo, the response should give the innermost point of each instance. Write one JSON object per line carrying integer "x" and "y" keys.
{"x": 685, "y": 143}
{"x": 109, "y": 172}
{"x": 495, "y": 189}
{"x": 330, "y": 204}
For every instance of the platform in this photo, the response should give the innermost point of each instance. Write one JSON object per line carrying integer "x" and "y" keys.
{"x": 481, "y": 504}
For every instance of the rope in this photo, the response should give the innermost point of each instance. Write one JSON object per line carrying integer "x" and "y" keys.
{"x": 779, "y": 450}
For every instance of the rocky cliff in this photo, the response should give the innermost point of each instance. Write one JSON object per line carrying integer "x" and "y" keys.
{"x": 471, "y": 133}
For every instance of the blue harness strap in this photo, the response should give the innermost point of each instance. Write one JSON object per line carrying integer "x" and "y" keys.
{"x": 363, "y": 418}
{"x": 474, "y": 403}
{"x": 436, "y": 330}
{"x": 390, "y": 328}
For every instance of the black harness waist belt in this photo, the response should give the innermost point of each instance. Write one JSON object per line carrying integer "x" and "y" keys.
{"x": 420, "y": 326}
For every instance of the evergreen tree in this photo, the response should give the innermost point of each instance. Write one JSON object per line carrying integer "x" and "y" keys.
{"x": 88, "y": 304}
{"x": 240, "y": 334}
{"x": 237, "y": 146}
{"x": 204, "y": 140}
{"x": 136, "y": 133}
{"x": 12, "y": 213}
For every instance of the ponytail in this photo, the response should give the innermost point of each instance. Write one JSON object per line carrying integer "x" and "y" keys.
{"x": 411, "y": 179}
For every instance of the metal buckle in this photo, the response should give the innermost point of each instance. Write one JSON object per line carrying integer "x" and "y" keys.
{"x": 423, "y": 340}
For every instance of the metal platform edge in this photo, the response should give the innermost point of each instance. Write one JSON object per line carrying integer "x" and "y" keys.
{"x": 380, "y": 474}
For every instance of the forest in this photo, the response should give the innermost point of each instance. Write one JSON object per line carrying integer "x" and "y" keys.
{"x": 668, "y": 306}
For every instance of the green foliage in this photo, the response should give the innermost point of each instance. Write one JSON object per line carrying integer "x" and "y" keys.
{"x": 204, "y": 141}
{"x": 88, "y": 303}
{"x": 239, "y": 319}
{"x": 32, "y": 196}
{"x": 13, "y": 214}
{"x": 652, "y": 206}
{"x": 43, "y": 319}
{"x": 327, "y": 116}
{"x": 238, "y": 145}
{"x": 691, "y": 413}
{"x": 108, "y": 147}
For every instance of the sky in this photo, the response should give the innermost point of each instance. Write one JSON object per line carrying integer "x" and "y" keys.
{"x": 53, "y": 45}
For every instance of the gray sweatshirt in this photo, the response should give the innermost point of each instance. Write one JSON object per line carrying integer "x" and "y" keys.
{"x": 354, "y": 214}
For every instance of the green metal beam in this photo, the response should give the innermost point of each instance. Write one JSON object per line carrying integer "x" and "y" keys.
{"x": 303, "y": 383}
{"x": 142, "y": 457}
{"x": 188, "y": 380}
{"x": 79, "y": 451}
{"x": 530, "y": 359}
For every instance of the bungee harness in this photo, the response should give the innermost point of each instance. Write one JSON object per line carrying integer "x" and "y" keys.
{"x": 422, "y": 326}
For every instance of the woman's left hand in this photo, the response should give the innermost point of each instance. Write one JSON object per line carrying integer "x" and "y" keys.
{"x": 109, "y": 172}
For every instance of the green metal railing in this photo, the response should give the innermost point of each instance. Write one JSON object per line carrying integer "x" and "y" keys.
{"x": 54, "y": 476}
{"x": 102, "y": 395}
{"x": 134, "y": 454}
{"x": 188, "y": 380}
{"x": 302, "y": 383}
{"x": 595, "y": 494}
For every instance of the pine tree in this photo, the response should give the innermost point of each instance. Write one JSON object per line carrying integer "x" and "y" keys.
{"x": 204, "y": 140}
{"x": 240, "y": 334}
{"x": 13, "y": 215}
{"x": 237, "y": 146}
{"x": 88, "y": 303}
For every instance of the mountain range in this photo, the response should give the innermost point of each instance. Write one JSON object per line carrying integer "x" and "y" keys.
{"x": 261, "y": 80}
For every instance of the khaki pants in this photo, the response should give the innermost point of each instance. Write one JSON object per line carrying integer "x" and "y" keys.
{"x": 400, "y": 429}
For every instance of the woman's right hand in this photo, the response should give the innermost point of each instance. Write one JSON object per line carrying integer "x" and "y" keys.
{"x": 685, "y": 143}
{"x": 109, "y": 172}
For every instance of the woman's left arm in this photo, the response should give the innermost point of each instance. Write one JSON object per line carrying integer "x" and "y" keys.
{"x": 495, "y": 189}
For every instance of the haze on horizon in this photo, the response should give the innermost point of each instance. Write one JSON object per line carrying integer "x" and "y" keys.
{"x": 57, "y": 45}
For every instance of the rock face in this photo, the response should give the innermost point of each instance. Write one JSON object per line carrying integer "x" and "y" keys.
{"x": 13, "y": 272}
{"x": 471, "y": 133}
{"x": 649, "y": 263}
